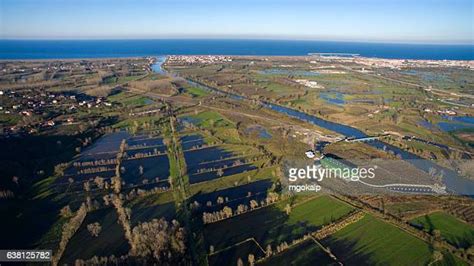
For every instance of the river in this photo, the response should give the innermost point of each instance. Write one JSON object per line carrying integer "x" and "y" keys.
{"x": 454, "y": 183}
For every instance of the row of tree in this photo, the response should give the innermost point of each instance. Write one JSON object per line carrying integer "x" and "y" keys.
{"x": 68, "y": 230}
{"x": 95, "y": 162}
{"x": 227, "y": 212}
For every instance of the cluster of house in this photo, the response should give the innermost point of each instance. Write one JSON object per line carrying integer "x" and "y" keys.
{"x": 398, "y": 63}
{"x": 28, "y": 103}
{"x": 441, "y": 112}
{"x": 24, "y": 72}
{"x": 201, "y": 59}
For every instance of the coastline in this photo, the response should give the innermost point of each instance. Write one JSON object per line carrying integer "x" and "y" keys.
{"x": 6, "y": 60}
{"x": 92, "y": 49}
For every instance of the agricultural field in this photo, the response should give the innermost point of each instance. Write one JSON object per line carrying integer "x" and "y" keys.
{"x": 375, "y": 242}
{"x": 306, "y": 253}
{"x": 453, "y": 230}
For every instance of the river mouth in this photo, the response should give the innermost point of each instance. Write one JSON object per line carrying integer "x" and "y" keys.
{"x": 453, "y": 182}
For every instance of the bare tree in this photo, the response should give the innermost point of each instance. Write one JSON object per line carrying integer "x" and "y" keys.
{"x": 240, "y": 262}
{"x": 160, "y": 241}
{"x": 87, "y": 186}
{"x": 15, "y": 180}
{"x": 66, "y": 211}
{"x": 269, "y": 251}
{"x": 99, "y": 181}
{"x": 251, "y": 259}
{"x": 94, "y": 229}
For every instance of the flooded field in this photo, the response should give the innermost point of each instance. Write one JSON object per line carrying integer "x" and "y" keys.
{"x": 144, "y": 162}
{"x": 336, "y": 98}
{"x": 449, "y": 123}
{"x": 233, "y": 196}
{"x": 456, "y": 123}
{"x": 208, "y": 163}
{"x": 151, "y": 169}
{"x": 190, "y": 141}
{"x": 260, "y": 131}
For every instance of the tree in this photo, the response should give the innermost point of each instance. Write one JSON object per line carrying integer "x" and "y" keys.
{"x": 269, "y": 251}
{"x": 99, "y": 181}
{"x": 253, "y": 204}
{"x": 160, "y": 241}
{"x": 94, "y": 229}
{"x": 87, "y": 186}
{"x": 227, "y": 211}
{"x": 437, "y": 256}
{"x": 437, "y": 234}
{"x": 66, "y": 211}
{"x": 251, "y": 259}
{"x": 240, "y": 262}
{"x": 15, "y": 180}
{"x": 117, "y": 184}
{"x": 68, "y": 230}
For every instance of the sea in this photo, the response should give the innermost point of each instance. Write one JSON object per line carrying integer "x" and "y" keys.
{"x": 63, "y": 49}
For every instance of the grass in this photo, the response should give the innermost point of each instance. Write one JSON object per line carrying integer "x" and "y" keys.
{"x": 400, "y": 208}
{"x": 144, "y": 122}
{"x": 197, "y": 92}
{"x": 51, "y": 239}
{"x": 279, "y": 88}
{"x": 305, "y": 253}
{"x": 9, "y": 119}
{"x": 130, "y": 100}
{"x": 136, "y": 101}
{"x": 232, "y": 255}
{"x": 230, "y": 181}
{"x": 228, "y": 134}
{"x": 322, "y": 210}
{"x": 372, "y": 241}
{"x": 127, "y": 79}
{"x": 210, "y": 119}
{"x": 453, "y": 230}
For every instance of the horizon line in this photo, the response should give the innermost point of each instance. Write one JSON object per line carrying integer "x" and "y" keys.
{"x": 464, "y": 42}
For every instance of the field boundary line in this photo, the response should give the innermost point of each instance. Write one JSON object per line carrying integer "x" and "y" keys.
{"x": 237, "y": 244}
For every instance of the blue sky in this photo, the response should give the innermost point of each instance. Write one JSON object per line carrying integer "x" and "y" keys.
{"x": 427, "y": 21}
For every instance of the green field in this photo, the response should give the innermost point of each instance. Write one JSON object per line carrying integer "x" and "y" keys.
{"x": 454, "y": 231}
{"x": 210, "y": 119}
{"x": 305, "y": 253}
{"x": 130, "y": 100}
{"x": 271, "y": 225}
{"x": 231, "y": 255}
{"x": 196, "y": 92}
{"x": 372, "y": 241}
{"x": 320, "y": 211}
